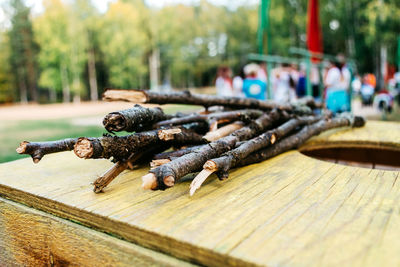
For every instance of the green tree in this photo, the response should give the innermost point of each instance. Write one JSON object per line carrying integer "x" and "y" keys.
{"x": 63, "y": 42}
{"x": 124, "y": 44}
{"x": 23, "y": 51}
{"x": 7, "y": 93}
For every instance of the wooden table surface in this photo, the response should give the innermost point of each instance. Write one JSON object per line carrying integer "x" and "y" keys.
{"x": 291, "y": 210}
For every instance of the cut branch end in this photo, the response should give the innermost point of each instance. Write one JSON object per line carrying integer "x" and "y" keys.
{"x": 149, "y": 181}
{"x": 168, "y": 134}
{"x": 169, "y": 181}
{"x": 83, "y": 148}
{"x": 158, "y": 162}
{"x": 22, "y": 147}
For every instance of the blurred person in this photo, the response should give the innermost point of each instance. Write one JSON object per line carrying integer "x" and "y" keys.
{"x": 262, "y": 72}
{"x": 238, "y": 84}
{"x": 253, "y": 87}
{"x": 314, "y": 79}
{"x": 223, "y": 83}
{"x": 356, "y": 84}
{"x": 337, "y": 81}
{"x": 284, "y": 85}
{"x": 367, "y": 91}
{"x": 301, "y": 84}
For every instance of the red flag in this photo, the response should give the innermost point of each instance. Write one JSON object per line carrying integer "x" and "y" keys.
{"x": 314, "y": 34}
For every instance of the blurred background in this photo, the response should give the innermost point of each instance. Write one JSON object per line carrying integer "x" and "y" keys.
{"x": 65, "y": 52}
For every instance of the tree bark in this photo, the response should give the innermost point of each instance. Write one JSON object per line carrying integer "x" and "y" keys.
{"x": 232, "y": 157}
{"x": 65, "y": 84}
{"x": 243, "y": 115}
{"x": 120, "y": 148}
{"x": 94, "y": 94}
{"x": 302, "y": 136}
{"x": 141, "y": 96}
{"x": 38, "y": 149}
{"x": 166, "y": 175}
{"x": 134, "y": 119}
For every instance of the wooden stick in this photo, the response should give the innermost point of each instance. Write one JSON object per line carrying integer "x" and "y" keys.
{"x": 134, "y": 119}
{"x": 141, "y": 96}
{"x": 223, "y": 131}
{"x": 192, "y": 162}
{"x": 245, "y": 154}
{"x": 122, "y": 147}
{"x": 208, "y": 169}
{"x": 109, "y": 176}
{"x": 38, "y": 149}
{"x": 243, "y": 115}
{"x": 223, "y": 164}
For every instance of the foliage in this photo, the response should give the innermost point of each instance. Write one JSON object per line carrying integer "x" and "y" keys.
{"x": 191, "y": 41}
{"x": 23, "y": 51}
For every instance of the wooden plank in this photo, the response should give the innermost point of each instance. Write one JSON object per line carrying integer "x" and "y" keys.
{"x": 290, "y": 210}
{"x": 33, "y": 238}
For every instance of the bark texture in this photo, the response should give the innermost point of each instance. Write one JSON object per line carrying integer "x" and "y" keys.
{"x": 134, "y": 119}
{"x": 38, "y": 149}
{"x": 242, "y": 115}
{"x": 167, "y": 174}
{"x": 141, "y": 96}
{"x": 302, "y": 136}
{"x": 232, "y": 157}
{"x": 120, "y": 148}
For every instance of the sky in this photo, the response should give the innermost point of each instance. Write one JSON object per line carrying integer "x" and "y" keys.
{"x": 102, "y": 5}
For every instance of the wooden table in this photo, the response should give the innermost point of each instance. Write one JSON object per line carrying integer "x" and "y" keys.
{"x": 292, "y": 210}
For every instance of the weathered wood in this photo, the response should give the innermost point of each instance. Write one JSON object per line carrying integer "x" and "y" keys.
{"x": 188, "y": 98}
{"x": 291, "y": 210}
{"x": 166, "y": 175}
{"x": 122, "y": 147}
{"x": 39, "y": 149}
{"x": 240, "y": 115}
{"x": 135, "y": 119}
{"x": 33, "y": 238}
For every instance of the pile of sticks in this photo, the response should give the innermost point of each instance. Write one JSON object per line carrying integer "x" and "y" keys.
{"x": 228, "y": 133}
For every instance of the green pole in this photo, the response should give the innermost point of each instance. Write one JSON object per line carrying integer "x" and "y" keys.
{"x": 269, "y": 84}
{"x": 308, "y": 79}
{"x": 263, "y": 25}
{"x": 398, "y": 54}
{"x": 321, "y": 82}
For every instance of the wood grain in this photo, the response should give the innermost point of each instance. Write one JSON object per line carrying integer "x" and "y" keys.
{"x": 33, "y": 238}
{"x": 291, "y": 210}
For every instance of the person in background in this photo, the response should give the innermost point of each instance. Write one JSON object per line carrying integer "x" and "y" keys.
{"x": 301, "y": 84}
{"x": 337, "y": 81}
{"x": 262, "y": 72}
{"x": 252, "y": 86}
{"x": 285, "y": 85}
{"x": 223, "y": 83}
{"x": 238, "y": 84}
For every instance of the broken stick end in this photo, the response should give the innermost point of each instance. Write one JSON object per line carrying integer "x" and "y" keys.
{"x": 22, "y": 147}
{"x": 83, "y": 148}
{"x": 149, "y": 181}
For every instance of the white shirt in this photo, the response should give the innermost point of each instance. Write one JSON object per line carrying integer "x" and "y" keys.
{"x": 224, "y": 88}
{"x": 336, "y": 79}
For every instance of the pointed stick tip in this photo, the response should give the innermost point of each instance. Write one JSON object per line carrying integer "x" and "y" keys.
{"x": 201, "y": 177}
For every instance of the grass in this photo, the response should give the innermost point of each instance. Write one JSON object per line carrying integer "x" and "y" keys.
{"x": 13, "y": 132}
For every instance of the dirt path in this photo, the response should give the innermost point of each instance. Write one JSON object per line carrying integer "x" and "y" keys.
{"x": 58, "y": 111}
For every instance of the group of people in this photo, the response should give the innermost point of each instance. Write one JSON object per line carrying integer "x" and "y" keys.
{"x": 288, "y": 82}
